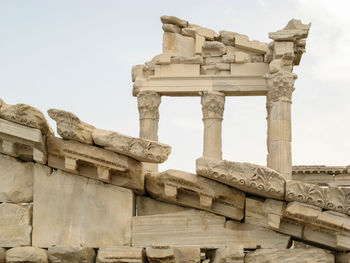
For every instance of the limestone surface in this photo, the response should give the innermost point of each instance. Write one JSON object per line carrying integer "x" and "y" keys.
{"x": 251, "y": 178}
{"x": 69, "y": 126}
{"x": 299, "y": 255}
{"x": 174, "y": 186}
{"x": 121, "y": 254}
{"x": 147, "y": 206}
{"x": 26, "y": 255}
{"x": 95, "y": 163}
{"x": 26, "y": 115}
{"x": 2, "y": 255}
{"x": 61, "y": 254}
{"x": 182, "y": 229}
{"x": 228, "y": 255}
{"x": 137, "y": 148}
{"x": 161, "y": 255}
{"x": 16, "y": 180}
{"x": 15, "y": 225}
{"x": 82, "y": 211}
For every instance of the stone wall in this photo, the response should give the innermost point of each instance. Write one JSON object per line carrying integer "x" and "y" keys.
{"x": 89, "y": 195}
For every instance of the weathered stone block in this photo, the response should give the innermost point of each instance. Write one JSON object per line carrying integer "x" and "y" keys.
{"x": 228, "y": 255}
{"x": 299, "y": 255}
{"x": 15, "y": 225}
{"x": 95, "y": 163}
{"x": 191, "y": 190}
{"x": 25, "y": 115}
{"x": 60, "y": 254}
{"x": 171, "y": 28}
{"x": 26, "y": 255}
{"x": 20, "y": 141}
{"x": 247, "y": 177}
{"x": 137, "y": 148}
{"x": 178, "y": 45}
{"x": 174, "y": 21}
{"x": 82, "y": 211}
{"x": 161, "y": 255}
{"x": 209, "y": 34}
{"x": 253, "y": 237}
{"x": 121, "y": 254}
{"x": 249, "y": 69}
{"x": 177, "y": 70}
{"x": 214, "y": 49}
{"x": 183, "y": 229}
{"x": 16, "y": 180}
{"x": 147, "y": 206}
{"x": 2, "y": 255}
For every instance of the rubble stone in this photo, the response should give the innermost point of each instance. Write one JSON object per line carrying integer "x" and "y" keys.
{"x": 121, "y": 254}
{"x": 60, "y": 254}
{"x": 174, "y": 20}
{"x": 171, "y": 28}
{"x": 299, "y": 255}
{"x": 26, "y": 255}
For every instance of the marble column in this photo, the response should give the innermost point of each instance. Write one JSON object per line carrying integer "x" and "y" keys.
{"x": 279, "y": 132}
{"x": 213, "y": 104}
{"x": 148, "y": 105}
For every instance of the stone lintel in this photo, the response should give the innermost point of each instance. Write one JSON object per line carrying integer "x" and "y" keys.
{"x": 245, "y": 85}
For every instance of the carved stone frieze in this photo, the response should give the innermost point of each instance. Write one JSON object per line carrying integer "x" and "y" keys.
{"x": 148, "y": 103}
{"x": 327, "y": 228}
{"x": 213, "y": 105}
{"x": 247, "y": 177}
{"x": 22, "y": 141}
{"x": 69, "y": 126}
{"x": 137, "y": 148}
{"x": 330, "y": 198}
{"x": 25, "y": 115}
{"x": 195, "y": 191}
{"x": 96, "y": 163}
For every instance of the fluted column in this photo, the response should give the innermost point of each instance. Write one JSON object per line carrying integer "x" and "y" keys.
{"x": 280, "y": 84}
{"x": 148, "y": 105}
{"x": 213, "y": 104}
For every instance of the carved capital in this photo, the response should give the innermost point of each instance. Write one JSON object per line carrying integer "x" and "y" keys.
{"x": 148, "y": 104}
{"x": 213, "y": 105}
{"x": 280, "y": 86}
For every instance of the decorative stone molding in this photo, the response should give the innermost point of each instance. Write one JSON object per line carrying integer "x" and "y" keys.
{"x": 21, "y": 141}
{"x": 69, "y": 126}
{"x": 213, "y": 105}
{"x": 247, "y": 177}
{"x": 148, "y": 103}
{"x": 330, "y": 198}
{"x": 174, "y": 186}
{"x": 140, "y": 149}
{"x": 25, "y": 115}
{"x": 95, "y": 163}
{"x": 121, "y": 254}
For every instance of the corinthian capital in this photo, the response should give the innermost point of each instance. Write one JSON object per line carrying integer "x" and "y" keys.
{"x": 213, "y": 105}
{"x": 148, "y": 103}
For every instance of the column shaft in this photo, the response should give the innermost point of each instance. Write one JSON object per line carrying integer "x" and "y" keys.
{"x": 213, "y": 108}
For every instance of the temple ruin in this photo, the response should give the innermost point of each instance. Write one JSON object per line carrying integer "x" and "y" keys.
{"x": 93, "y": 195}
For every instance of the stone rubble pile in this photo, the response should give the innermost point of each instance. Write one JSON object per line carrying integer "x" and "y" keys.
{"x": 92, "y": 195}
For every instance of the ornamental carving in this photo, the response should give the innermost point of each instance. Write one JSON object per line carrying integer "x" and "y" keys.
{"x": 213, "y": 105}
{"x": 330, "y": 198}
{"x": 148, "y": 103}
{"x": 247, "y": 177}
{"x": 280, "y": 86}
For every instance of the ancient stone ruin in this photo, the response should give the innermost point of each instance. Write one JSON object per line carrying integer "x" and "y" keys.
{"x": 93, "y": 195}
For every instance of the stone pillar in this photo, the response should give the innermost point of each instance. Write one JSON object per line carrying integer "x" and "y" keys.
{"x": 213, "y": 104}
{"x": 148, "y": 104}
{"x": 280, "y": 84}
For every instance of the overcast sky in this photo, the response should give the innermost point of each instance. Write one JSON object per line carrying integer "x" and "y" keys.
{"x": 77, "y": 56}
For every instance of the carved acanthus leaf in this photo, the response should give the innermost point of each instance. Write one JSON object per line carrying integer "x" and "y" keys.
{"x": 148, "y": 104}
{"x": 213, "y": 105}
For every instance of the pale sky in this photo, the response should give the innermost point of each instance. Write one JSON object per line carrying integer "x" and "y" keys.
{"x": 77, "y": 56}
